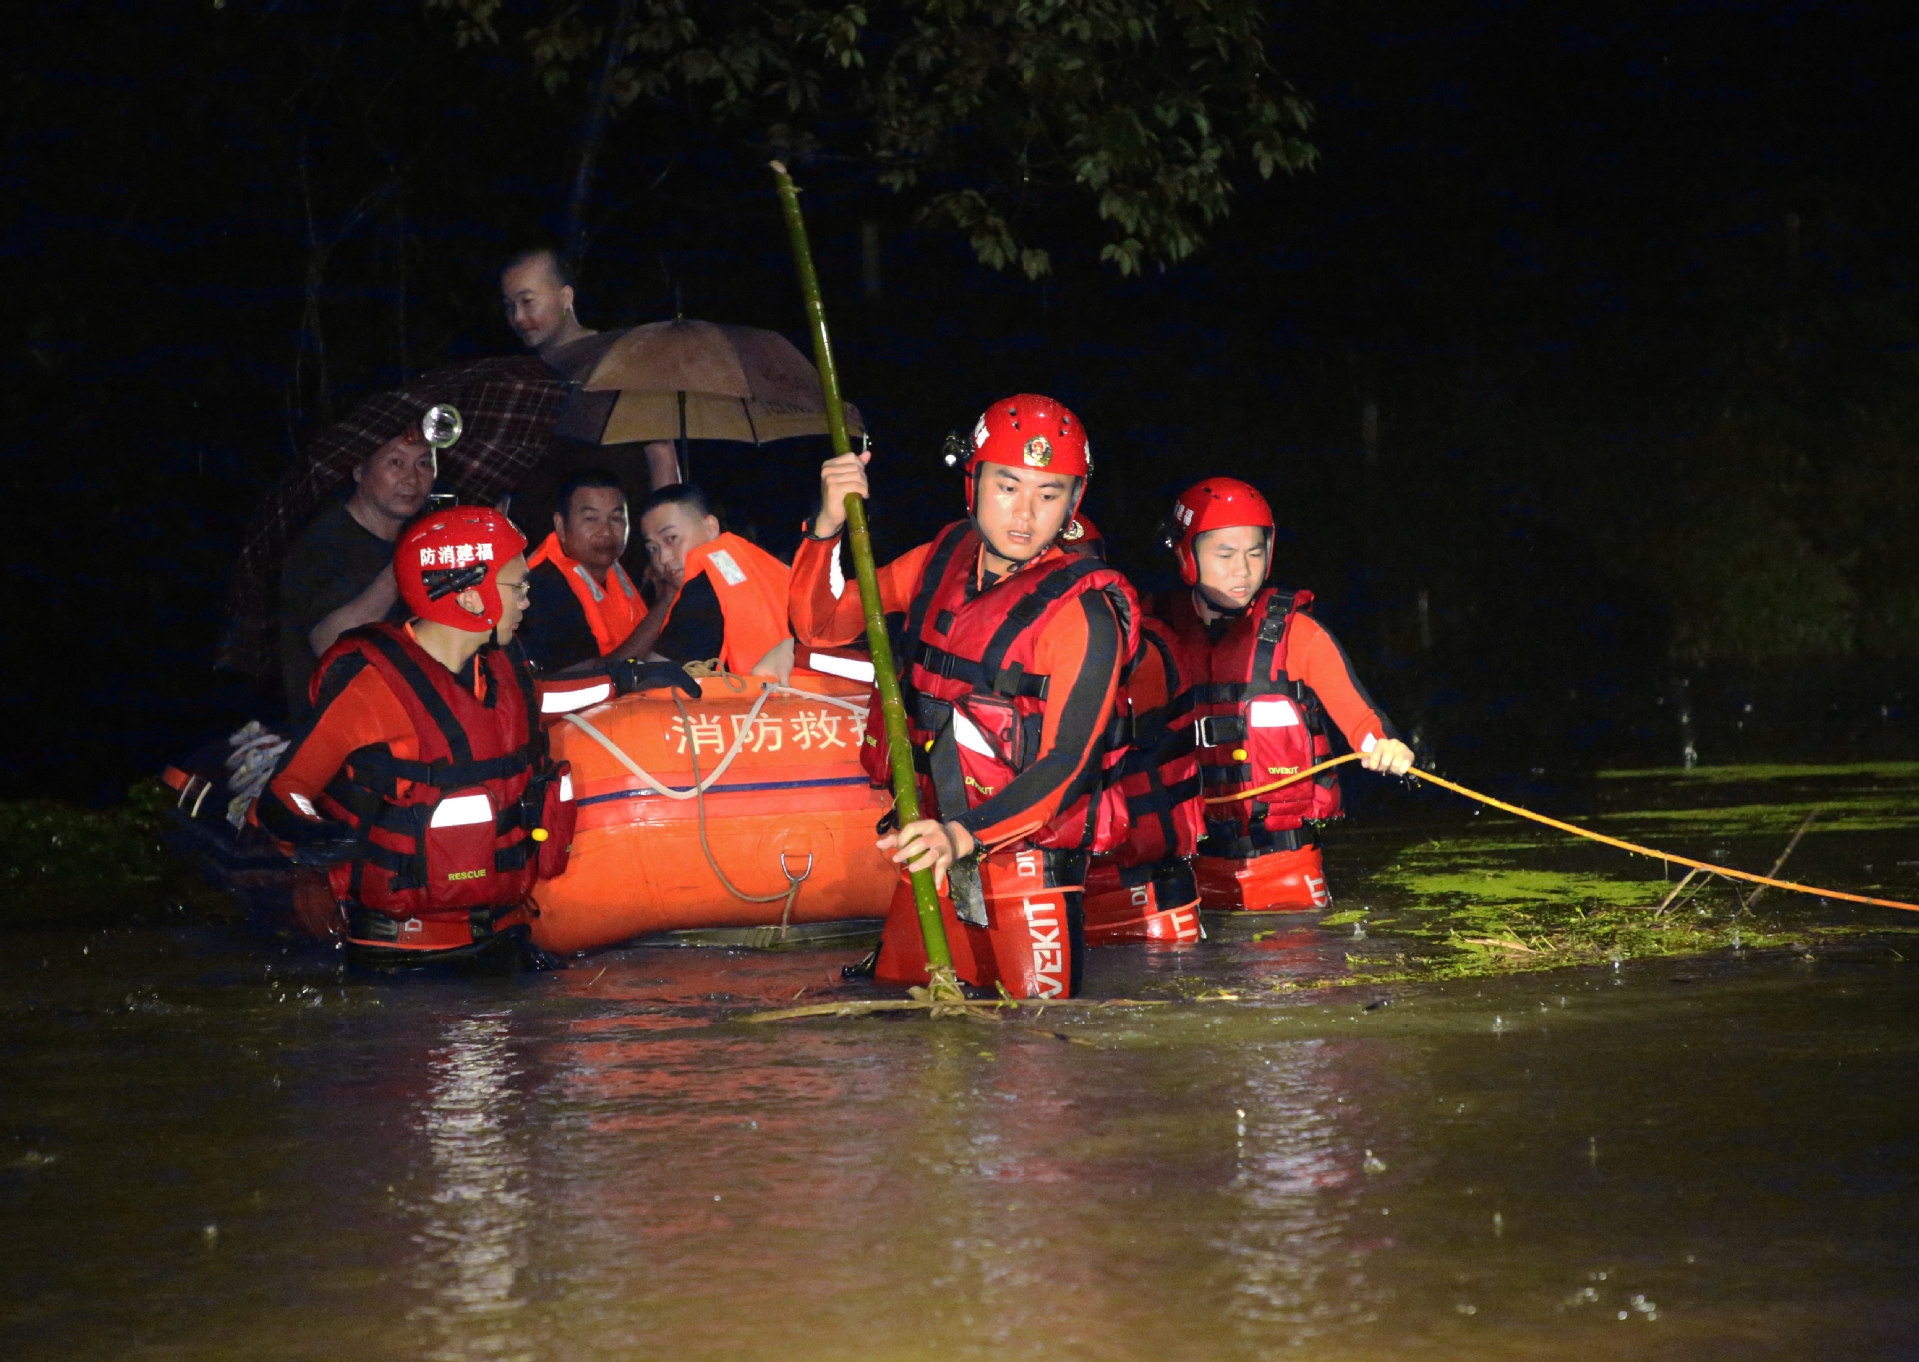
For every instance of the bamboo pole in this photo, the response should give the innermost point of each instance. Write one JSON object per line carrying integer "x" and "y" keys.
{"x": 942, "y": 984}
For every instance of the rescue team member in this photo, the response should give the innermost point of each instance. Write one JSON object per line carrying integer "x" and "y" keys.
{"x": 423, "y": 775}
{"x": 730, "y": 594}
{"x": 583, "y": 606}
{"x": 1144, "y": 890}
{"x": 1013, "y": 654}
{"x": 1274, "y": 676}
{"x": 338, "y": 574}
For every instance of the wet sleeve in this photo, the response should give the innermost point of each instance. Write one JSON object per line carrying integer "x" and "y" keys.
{"x": 554, "y": 631}
{"x": 696, "y": 627}
{"x": 356, "y": 710}
{"x": 825, "y": 600}
{"x": 1313, "y": 656}
{"x": 1080, "y": 652}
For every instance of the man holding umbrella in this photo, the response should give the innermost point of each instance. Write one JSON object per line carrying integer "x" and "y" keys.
{"x": 1014, "y": 649}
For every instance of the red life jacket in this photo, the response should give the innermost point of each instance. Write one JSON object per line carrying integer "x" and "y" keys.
{"x": 974, "y": 707}
{"x": 1157, "y": 776}
{"x": 460, "y": 837}
{"x": 1254, "y": 723}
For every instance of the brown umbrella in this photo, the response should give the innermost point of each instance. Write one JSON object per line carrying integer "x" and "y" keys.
{"x": 692, "y": 380}
{"x": 508, "y": 406}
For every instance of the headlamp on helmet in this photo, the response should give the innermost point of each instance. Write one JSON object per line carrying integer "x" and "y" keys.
{"x": 446, "y": 553}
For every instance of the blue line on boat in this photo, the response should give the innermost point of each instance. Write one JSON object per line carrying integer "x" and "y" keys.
{"x": 729, "y": 789}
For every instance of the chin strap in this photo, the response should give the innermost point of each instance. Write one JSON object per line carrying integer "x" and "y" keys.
{"x": 1230, "y": 612}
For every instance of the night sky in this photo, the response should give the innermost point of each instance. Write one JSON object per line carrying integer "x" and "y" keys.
{"x": 1582, "y": 365}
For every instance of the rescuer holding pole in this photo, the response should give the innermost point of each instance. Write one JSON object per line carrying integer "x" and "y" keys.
{"x": 1013, "y": 653}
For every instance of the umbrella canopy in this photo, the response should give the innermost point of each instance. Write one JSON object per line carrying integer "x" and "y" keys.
{"x": 692, "y": 379}
{"x": 508, "y": 406}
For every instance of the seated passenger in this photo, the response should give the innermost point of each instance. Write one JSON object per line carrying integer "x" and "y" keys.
{"x": 1274, "y": 679}
{"x": 423, "y": 781}
{"x": 730, "y": 595}
{"x": 583, "y": 606}
{"x": 338, "y": 574}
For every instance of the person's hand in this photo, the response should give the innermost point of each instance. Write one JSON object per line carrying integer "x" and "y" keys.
{"x": 1389, "y": 757}
{"x": 928, "y": 845}
{"x": 631, "y": 675}
{"x": 778, "y": 662}
{"x": 839, "y": 475}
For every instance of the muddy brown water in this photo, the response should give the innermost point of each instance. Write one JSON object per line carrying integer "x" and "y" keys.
{"x": 211, "y": 1149}
{"x": 215, "y": 1163}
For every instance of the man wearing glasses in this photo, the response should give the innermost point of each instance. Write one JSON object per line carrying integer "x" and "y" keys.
{"x": 423, "y": 781}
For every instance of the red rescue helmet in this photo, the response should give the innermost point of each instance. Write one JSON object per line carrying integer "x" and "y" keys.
{"x": 445, "y": 552}
{"x": 1215, "y": 504}
{"x": 1026, "y": 431}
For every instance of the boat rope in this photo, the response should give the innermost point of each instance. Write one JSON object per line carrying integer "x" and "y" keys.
{"x": 701, "y": 785}
{"x": 744, "y": 728}
{"x": 1578, "y": 831}
{"x": 793, "y": 882}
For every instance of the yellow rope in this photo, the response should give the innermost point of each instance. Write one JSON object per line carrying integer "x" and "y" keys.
{"x": 1578, "y": 831}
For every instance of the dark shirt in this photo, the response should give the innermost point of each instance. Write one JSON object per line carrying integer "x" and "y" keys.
{"x": 554, "y": 631}
{"x": 334, "y": 559}
{"x": 696, "y": 630}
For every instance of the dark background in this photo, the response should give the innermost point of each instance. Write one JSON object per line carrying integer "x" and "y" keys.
{"x": 1628, "y": 295}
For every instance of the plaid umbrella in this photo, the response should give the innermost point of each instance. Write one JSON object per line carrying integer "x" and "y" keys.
{"x": 508, "y": 406}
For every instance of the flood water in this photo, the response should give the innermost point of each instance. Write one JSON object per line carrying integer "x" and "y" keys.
{"x": 211, "y": 1150}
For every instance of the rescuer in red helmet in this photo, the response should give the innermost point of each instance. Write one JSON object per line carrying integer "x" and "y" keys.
{"x": 1273, "y": 679}
{"x": 1013, "y": 655}
{"x": 423, "y": 781}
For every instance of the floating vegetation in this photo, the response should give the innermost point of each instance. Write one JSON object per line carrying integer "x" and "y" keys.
{"x": 1494, "y": 897}
{"x": 60, "y": 861}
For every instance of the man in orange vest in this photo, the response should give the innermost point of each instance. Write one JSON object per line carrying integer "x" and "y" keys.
{"x": 730, "y": 595}
{"x": 584, "y": 605}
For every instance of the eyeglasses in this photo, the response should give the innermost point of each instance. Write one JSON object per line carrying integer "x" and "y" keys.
{"x": 523, "y": 587}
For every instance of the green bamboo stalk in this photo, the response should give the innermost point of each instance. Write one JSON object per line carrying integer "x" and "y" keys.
{"x": 939, "y": 957}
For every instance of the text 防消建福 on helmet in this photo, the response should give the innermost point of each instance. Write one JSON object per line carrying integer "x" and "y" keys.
{"x": 1214, "y": 504}
{"x": 445, "y": 553}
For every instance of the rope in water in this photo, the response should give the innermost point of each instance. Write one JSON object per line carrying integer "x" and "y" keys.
{"x": 1578, "y": 831}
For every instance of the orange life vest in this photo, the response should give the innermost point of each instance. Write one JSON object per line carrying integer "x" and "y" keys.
{"x": 752, "y": 586}
{"x": 612, "y": 611}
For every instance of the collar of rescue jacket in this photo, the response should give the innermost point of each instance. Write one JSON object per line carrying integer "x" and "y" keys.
{"x": 551, "y": 552}
{"x": 1052, "y": 550}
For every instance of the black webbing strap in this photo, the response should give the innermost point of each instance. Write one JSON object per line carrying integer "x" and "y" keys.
{"x": 1026, "y": 611}
{"x": 1228, "y": 838}
{"x": 944, "y": 548}
{"x": 422, "y": 688}
{"x": 1012, "y": 682}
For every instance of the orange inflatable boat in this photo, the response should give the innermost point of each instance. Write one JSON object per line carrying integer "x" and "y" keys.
{"x": 777, "y": 825}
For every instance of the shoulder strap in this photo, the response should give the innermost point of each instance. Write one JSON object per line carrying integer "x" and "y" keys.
{"x": 1025, "y": 612}
{"x": 944, "y": 547}
{"x": 434, "y": 703}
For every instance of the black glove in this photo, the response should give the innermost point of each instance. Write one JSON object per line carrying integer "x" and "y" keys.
{"x": 328, "y": 844}
{"x": 630, "y": 674}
